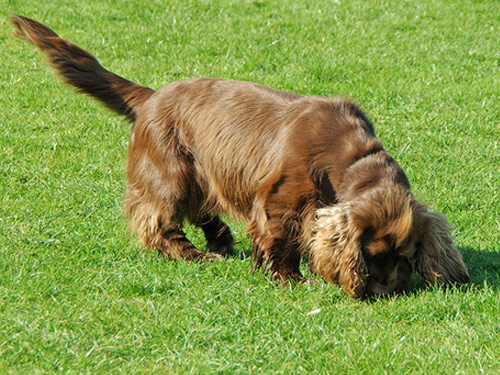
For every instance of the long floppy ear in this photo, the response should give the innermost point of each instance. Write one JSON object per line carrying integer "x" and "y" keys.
{"x": 335, "y": 250}
{"x": 436, "y": 259}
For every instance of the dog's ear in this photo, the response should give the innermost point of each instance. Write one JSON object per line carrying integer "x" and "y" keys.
{"x": 336, "y": 250}
{"x": 436, "y": 259}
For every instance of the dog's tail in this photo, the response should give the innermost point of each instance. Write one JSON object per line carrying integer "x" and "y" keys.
{"x": 81, "y": 70}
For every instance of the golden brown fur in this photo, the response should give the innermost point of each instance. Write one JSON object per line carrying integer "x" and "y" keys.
{"x": 306, "y": 173}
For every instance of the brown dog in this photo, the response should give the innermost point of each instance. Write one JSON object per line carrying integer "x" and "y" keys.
{"x": 306, "y": 173}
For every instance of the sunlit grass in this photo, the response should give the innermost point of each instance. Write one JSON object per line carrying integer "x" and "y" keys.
{"x": 79, "y": 295}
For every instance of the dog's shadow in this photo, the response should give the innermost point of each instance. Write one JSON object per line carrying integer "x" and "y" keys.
{"x": 483, "y": 265}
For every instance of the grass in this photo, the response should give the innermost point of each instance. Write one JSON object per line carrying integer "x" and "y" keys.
{"x": 78, "y": 294}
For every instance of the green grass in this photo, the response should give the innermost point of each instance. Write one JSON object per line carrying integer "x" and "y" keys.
{"x": 78, "y": 294}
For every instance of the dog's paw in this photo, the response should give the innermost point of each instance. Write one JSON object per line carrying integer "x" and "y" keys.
{"x": 212, "y": 257}
{"x": 222, "y": 246}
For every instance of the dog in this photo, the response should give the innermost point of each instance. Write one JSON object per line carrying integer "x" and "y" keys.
{"x": 306, "y": 173}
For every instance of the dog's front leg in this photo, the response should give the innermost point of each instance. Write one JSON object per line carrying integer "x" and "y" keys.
{"x": 275, "y": 249}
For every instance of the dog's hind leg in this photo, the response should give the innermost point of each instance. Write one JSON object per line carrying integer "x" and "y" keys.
{"x": 162, "y": 231}
{"x": 218, "y": 235}
{"x": 161, "y": 193}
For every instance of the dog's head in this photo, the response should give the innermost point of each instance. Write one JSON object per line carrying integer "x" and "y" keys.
{"x": 371, "y": 245}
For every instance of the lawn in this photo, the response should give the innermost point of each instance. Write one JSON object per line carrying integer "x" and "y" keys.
{"x": 78, "y": 294}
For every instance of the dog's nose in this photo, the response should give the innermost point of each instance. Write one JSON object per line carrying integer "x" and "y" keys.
{"x": 379, "y": 288}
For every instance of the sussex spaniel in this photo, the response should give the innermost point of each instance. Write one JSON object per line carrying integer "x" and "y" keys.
{"x": 306, "y": 173}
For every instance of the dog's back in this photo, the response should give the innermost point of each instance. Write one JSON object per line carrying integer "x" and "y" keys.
{"x": 235, "y": 132}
